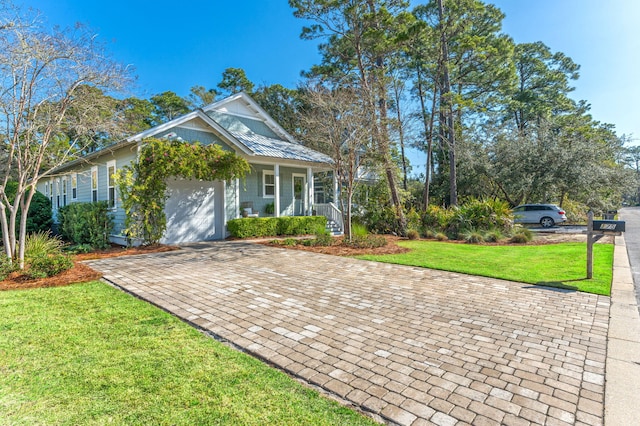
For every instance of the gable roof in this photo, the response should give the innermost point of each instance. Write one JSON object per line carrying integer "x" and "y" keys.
{"x": 242, "y": 104}
{"x": 240, "y": 122}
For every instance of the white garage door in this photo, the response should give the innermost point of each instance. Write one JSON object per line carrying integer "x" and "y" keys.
{"x": 194, "y": 210}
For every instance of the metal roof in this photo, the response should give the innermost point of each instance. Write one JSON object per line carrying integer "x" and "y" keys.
{"x": 276, "y": 148}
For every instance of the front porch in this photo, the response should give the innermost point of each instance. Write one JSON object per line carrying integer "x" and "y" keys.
{"x": 275, "y": 190}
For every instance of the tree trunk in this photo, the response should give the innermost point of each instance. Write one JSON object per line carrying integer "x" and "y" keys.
{"x": 396, "y": 93}
{"x": 446, "y": 105}
{"x": 24, "y": 206}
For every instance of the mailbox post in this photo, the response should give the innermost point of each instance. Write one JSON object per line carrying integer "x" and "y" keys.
{"x": 597, "y": 229}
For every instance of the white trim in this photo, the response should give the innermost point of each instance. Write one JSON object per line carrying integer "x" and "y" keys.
{"x": 111, "y": 163}
{"x": 74, "y": 185}
{"x": 94, "y": 181}
{"x": 58, "y": 194}
{"x": 303, "y": 191}
{"x": 65, "y": 192}
{"x": 237, "y": 199}
{"x": 310, "y": 191}
{"x": 266, "y": 173}
{"x": 276, "y": 198}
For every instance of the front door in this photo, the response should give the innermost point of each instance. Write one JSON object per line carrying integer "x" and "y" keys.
{"x": 299, "y": 194}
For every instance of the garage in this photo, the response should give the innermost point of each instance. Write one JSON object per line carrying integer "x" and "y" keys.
{"x": 194, "y": 211}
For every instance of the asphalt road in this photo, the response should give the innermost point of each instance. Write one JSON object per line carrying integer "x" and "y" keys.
{"x": 631, "y": 215}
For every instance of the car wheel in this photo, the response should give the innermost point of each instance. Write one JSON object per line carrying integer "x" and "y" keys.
{"x": 547, "y": 222}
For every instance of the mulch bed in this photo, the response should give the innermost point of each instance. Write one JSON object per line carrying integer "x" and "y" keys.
{"x": 80, "y": 272}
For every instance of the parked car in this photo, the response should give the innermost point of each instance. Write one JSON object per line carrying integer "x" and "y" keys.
{"x": 547, "y": 215}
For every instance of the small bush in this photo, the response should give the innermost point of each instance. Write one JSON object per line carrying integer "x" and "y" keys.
{"x": 522, "y": 235}
{"x": 369, "y": 241}
{"x": 285, "y": 242}
{"x": 525, "y": 231}
{"x": 519, "y": 238}
{"x": 493, "y": 236}
{"x": 80, "y": 248}
{"x": 322, "y": 240}
{"x": 412, "y": 234}
{"x": 473, "y": 237}
{"x": 428, "y": 232}
{"x": 359, "y": 230}
{"x": 86, "y": 223}
{"x": 48, "y": 265}
{"x": 6, "y": 267}
{"x": 42, "y": 244}
{"x": 441, "y": 236}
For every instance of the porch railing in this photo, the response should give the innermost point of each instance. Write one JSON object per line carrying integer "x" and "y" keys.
{"x": 331, "y": 212}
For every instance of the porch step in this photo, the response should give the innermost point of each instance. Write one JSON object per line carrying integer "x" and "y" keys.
{"x": 334, "y": 228}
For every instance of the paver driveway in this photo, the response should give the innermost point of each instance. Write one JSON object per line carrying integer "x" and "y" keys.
{"x": 414, "y": 346}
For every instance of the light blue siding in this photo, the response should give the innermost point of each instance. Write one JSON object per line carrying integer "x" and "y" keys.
{"x": 251, "y": 190}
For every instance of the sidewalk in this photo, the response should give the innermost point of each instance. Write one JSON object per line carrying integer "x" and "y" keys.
{"x": 622, "y": 387}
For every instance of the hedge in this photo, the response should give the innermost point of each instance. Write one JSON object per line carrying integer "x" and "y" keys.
{"x": 86, "y": 223}
{"x": 274, "y": 226}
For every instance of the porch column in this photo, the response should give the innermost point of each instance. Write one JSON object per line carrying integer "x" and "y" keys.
{"x": 336, "y": 194}
{"x": 310, "y": 191}
{"x": 276, "y": 192}
{"x": 237, "y": 197}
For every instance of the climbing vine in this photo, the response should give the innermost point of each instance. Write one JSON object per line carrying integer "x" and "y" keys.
{"x": 143, "y": 184}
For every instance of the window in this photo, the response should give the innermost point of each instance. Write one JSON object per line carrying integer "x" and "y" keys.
{"x": 268, "y": 184}
{"x": 74, "y": 186}
{"x": 64, "y": 191}
{"x": 58, "y": 193}
{"x": 94, "y": 184}
{"x": 111, "y": 186}
{"x": 50, "y": 183}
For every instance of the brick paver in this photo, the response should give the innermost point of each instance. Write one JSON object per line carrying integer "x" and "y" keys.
{"x": 414, "y": 346}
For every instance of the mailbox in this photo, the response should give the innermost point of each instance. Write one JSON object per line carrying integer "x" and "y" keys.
{"x": 608, "y": 225}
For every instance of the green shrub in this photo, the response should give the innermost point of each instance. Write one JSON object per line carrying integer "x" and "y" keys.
{"x": 41, "y": 244}
{"x": 412, "y": 234}
{"x": 519, "y": 238}
{"x": 6, "y": 267}
{"x": 48, "y": 266}
{"x": 576, "y": 212}
{"x": 437, "y": 217}
{"x": 272, "y": 226}
{"x": 493, "y": 236}
{"x": 441, "y": 236}
{"x": 428, "y": 232}
{"x": 473, "y": 237}
{"x": 474, "y": 214}
{"x": 359, "y": 230}
{"x": 369, "y": 241}
{"x": 80, "y": 248}
{"x": 86, "y": 223}
{"x": 44, "y": 257}
{"x": 522, "y": 235}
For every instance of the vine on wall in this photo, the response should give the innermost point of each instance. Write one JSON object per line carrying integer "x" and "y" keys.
{"x": 143, "y": 184}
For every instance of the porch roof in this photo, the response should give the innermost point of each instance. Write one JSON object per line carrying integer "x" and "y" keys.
{"x": 275, "y": 148}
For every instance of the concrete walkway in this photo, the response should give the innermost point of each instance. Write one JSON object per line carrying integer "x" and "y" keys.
{"x": 411, "y": 346}
{"x": 622, "y": 399}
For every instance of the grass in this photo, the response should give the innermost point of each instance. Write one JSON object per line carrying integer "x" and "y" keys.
{"x": 90, "y": 354}
{"x": 557, "y": 265}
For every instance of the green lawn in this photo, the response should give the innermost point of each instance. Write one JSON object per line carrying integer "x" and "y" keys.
{"x": 557, "y": 265}
{"x": 90, "y": 354}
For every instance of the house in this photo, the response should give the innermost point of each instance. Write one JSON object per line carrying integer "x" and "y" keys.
{"x": 281, "y": 180}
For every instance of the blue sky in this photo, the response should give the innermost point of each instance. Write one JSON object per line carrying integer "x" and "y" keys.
{"x": 176, "y": 45}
